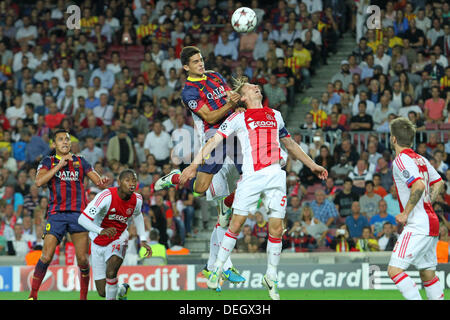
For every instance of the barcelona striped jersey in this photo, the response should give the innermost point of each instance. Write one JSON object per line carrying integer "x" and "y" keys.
{"x": 66, "y": 187}
{"x": 210, "y": 90}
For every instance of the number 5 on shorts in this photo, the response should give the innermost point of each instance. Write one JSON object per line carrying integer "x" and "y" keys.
{"x": 283, "y": 201}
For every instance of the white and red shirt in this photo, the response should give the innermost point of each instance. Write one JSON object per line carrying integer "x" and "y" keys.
{"x": 108, "y": 210}
{"x": 408, "y": 167}
{"x": 259, "y": 131}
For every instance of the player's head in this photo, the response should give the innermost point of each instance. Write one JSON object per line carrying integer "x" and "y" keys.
{"x": 127, "y": 181}
{"x": 251, "y": 94}
{"x": 403, "y": 132}
{"x": 192, "y": 61}
{"x": 61, "y": 141}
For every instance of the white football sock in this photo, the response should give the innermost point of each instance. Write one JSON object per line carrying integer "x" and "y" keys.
{"x": 213, "y": 249}
{"x": 111, "y": 289}
{"x": 227, "y": 245}
{"x": 273, "y": 256}
{"x": 433, "y": 289}
{"x": 406, "y": 286}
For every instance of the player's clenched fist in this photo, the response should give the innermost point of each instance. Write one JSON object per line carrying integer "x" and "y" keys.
{"x": 234, "y": 97}
{"x": 109, "y": 232}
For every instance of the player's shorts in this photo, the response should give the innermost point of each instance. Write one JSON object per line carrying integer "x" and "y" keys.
{"x": 414, "y": 249}
{"x": 58, "y": 224}
{"x": 223, "y": 182}
{"x": 101, "y": 254}
{"x": 269, "y": 182}
{"x": 216, "y": 159}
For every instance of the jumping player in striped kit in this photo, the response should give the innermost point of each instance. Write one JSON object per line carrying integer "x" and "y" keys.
{"x": 258, "y": 130}
{"x": 418, "y": 185}
{"x": 64, "y": 174}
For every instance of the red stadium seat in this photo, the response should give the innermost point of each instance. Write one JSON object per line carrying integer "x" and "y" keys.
{"x": 431, "y": 126}
{"x": 444, "y": 126}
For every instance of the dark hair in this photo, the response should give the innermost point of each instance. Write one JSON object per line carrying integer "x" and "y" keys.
{"x": 404, "y": 131}
{"x": 126, "y": 172}
{"x": 187, "y": 53}
{"x": 59, "y": 130}
{"x": 369, "y": 182}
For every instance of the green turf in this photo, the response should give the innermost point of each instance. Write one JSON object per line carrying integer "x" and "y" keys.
{"x": 228, "y": 295}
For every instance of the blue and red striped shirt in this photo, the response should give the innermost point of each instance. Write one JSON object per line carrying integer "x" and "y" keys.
{"x": 210, "y": 90}
{"x": 66, "y": 187}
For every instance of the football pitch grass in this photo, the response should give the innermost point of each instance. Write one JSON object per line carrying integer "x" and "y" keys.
{"x": 345, "y": 294}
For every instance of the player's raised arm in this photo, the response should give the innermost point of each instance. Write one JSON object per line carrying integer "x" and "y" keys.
{"x": 297, "y": 153}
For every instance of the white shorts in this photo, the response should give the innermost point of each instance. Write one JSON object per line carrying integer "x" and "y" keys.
{"x": 101, "y": 254}
{"x": 414, "y": 249}
{"x": 269, "y": 182}
{"x": 223, "y": 182}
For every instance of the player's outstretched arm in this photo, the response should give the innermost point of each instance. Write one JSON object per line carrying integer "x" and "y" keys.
{"x": 101, "y": 182}
{"x": 191, "y": 171}
{"x": 297, "y": 153}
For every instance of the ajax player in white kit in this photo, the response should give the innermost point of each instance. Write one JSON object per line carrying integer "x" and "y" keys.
{"x": 106, "y": 218}
{"x": 258, "y": 132}
{"x": 418, "y": 185}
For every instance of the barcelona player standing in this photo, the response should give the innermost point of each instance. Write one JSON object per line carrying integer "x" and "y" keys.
{"x": 64, "y": 174}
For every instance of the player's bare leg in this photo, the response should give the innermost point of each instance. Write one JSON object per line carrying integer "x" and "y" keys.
{"x": 48, "y": 251}
{"x": 433, "y": 287}
{"x": 81, "y": 244}
{"x": 404, "y": 283}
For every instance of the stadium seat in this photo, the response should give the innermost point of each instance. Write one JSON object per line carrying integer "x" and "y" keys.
{"x": 444, "y": 126}
{"x": 154, "y": 261}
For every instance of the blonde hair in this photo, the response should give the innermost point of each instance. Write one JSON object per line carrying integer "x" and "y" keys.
{"x": 238, "y": 83}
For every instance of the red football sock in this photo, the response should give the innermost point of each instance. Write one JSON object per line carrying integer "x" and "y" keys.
{"x": 39, "y": 273}
{"x": 84, "y": 281}
{"x": 229, "y": 200}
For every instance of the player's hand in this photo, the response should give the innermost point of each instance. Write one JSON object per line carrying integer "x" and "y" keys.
{"x": 188, "y": 173}
{"x": 234, "y": 97}
{"x": 320, "y": 171}
{"x": 65, "y": 160}
{"x": 109, "y": 232}
{"x": 149, "y": 249}
{"x": 104, "y": 182}
{"x": 401, "y": 218}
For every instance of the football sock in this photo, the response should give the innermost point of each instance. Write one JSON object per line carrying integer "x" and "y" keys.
{"x": 175, "y": 179}
{"x": 226, "y": 247}
{"x": 433, "y": 289}
{"x": 39, "y": 273}
{"x": 220, "y": 236}
{"x": 273, "y": 256}
{"x": 213, "y": 249}
{"x": 111, "y": 289}
{"x": 406, "y": 286}
{"x": 229, "y": 200}
{"x": 84, "y": 281}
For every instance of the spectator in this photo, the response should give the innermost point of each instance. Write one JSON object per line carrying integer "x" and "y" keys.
{"x": 158, "y": 143}
{"x": 344, "y": 199}
{"x": 361, "y": 121}
{"x": 434, "y": 107}
{"x": 120, "y": 148}
{"x": 367, "y": 243}
{"x": 442, "y": 249}
{"x": 356, "y": 222}
{"x": 104, "y": 111}
{"x": 360, "y": 175}
{"x": 342, "y": 242}
{"x": 319, "y": 116}
{"x": 91, "y": 152}
{"x": 377, "y": 221}
{"x": 248, "y": 243}
{"x": 31, "y": 201}
{"x": 177, "y": 247}
{"x": 313, "y": 227}
{"x": 293, "y": 211}
{"x": 275, "y": 95}
{"x": 377, "y": 187}
{"x": 323, "y": 209}
{"x": 261, "y": 231}
{"x": 385, "y": 173}
{"x": 299, "y": 240}
{"x": 344, "y": 75}
{"x": 369, "y": 201}
{"x": 391, "y": 199}
{"x": 387, "y": 238}
{"x": 19, "y": 245}
{"x": 226, "y": 48}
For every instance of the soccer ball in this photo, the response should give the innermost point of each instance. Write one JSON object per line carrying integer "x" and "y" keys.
{"x": 244, "y": 20}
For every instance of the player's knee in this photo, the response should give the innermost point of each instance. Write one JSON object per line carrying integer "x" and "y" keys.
{"x": 393, "y": 271}
{"x": 101, "y": 292}
{"x": 111, "y": 274}
{"x": 201, "y": 187}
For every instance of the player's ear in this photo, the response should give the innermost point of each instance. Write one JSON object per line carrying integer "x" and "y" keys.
{"x": 186, "y": 67}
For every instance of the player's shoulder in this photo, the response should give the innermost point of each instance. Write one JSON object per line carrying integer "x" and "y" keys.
{"x": 138, "y": 196}
{"x": 235, "y": 116}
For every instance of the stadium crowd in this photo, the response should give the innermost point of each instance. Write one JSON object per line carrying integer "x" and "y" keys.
{"x": 115, "y": 85}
